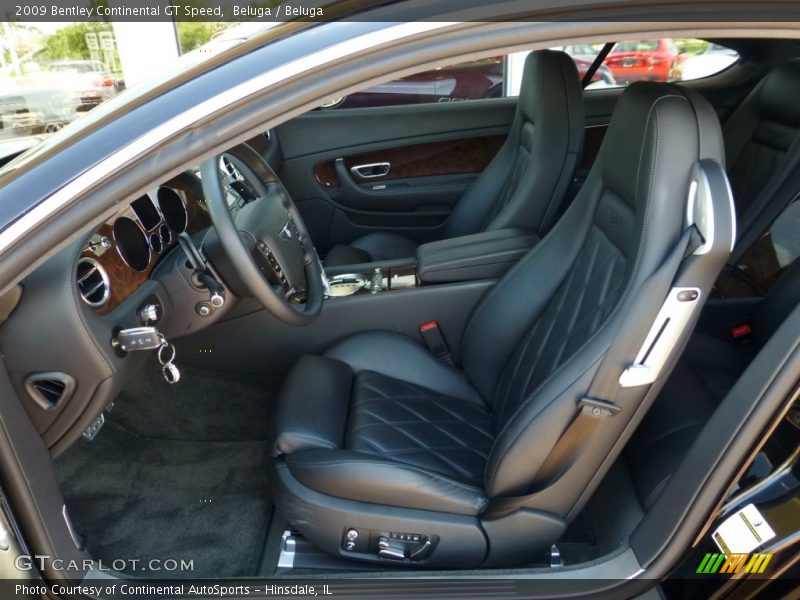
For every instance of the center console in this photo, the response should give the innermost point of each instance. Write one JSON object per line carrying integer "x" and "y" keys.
{"x": 376, "y": 279}
{"x": 481, "y": 256}
{"x": 442, "y": 283}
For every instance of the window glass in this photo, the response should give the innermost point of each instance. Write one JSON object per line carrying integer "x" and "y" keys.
{"x": 472, "y": 80}
{"x": 54, "y": 73}
{"x": 628, "y": 61}
{"x": 667, "y": 60}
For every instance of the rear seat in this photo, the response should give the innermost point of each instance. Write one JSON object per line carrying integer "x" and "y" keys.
{"x": 762, "y": 139}
{"x": 762, "y": 144}
{"x": 701, "y": 380}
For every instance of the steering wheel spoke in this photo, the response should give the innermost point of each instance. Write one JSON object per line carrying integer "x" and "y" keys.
{"x": 263, "y": 234}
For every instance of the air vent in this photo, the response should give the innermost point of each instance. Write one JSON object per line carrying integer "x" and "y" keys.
{"x": 93, "y": 283}
{"x": 49, "y": 389}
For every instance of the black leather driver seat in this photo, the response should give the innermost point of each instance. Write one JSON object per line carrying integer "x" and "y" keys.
{"x": 384, "y": 452}
{"x": 524, "y": 185}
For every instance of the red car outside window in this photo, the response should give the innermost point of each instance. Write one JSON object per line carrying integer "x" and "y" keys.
{"x": 643, "y": 60}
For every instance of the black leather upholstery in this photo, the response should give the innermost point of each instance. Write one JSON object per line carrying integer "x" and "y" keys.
{"x": 705, "y": 374}
{"x": 531, "y": 350}
{"x": 525, "y": 183}
{"x": 762, "y": 141}
{"x": 372, "y": 247}
{"x": 485, "y": 255}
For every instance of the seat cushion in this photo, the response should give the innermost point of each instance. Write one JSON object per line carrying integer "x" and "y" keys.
{"x": 313, "y": 407}
{"x": 372, "y": 247}
{"x": 380, "y": 419}
{"x": 400, "y": 421}
{"x": 405, "y": 445}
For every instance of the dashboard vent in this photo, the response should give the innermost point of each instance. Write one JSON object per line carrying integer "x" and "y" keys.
{"x": 49, "y": 389}
{"x": 93, "y": 283}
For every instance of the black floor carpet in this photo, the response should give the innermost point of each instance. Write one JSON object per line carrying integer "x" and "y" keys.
{"x": 178, "y": 472}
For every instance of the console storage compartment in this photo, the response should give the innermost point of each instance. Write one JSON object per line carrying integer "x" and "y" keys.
{"x": 485, "y": 255}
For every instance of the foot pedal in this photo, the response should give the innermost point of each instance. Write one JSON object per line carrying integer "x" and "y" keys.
{"x": 94, "y": 428}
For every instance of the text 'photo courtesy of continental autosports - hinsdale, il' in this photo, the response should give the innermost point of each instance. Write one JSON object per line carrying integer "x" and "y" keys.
{"x": 447, "y": 299}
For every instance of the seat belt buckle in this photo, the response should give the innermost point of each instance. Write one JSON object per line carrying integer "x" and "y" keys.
{"x": 435, "y": 341}
{"x": 598, "y": 408}
{"x": 742, "y": 333}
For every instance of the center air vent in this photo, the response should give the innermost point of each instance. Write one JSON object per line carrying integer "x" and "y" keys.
{"x": 93, "y": 283}
{"x": 49, "y": 389}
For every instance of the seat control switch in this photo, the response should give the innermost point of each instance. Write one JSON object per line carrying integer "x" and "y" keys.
{"x": 386, "y": 550}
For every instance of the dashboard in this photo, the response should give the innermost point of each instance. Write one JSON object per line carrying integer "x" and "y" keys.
{"x": 123, "y": 274}
{"x": 121, "y": 254}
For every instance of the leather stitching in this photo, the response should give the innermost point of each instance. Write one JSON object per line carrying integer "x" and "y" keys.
{"x": 452, "y": 436}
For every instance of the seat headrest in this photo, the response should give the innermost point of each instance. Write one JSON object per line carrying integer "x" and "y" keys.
{"x": 648, "y": 136}
{"x": 547, "y": 76}
{"x": 778, "y": 95}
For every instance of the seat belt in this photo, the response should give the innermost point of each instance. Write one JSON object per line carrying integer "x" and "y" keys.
{"x": 595, "y": 407}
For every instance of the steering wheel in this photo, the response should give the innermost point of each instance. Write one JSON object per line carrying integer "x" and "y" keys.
{"x": 263, "y": 234}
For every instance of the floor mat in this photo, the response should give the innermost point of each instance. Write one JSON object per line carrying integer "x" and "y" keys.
{"x": 204, "y": 405}
{"x": 144, "y": 499}
{"x": 178, "y": 472}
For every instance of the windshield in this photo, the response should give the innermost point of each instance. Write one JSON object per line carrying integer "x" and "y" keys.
{"x": 59, "y": 75}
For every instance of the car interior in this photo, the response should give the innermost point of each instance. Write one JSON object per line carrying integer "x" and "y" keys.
{"x": 448, "y": 336}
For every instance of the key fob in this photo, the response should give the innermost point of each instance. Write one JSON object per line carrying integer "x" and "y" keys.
{"x": 137, "y": 338}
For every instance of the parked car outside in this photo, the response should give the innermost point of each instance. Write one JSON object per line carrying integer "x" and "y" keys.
{"x": 31, "y": 109}
{"x": 584, "y": 55}
{"x": 644, "y": 60}
{"x": 91, "y": 79}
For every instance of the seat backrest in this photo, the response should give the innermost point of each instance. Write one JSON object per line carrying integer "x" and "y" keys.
{"x": 777, "y": 305}
{"x": 582, "y": 304}
{"x": 525, "y": 183}
{"x": 762, "y": 140}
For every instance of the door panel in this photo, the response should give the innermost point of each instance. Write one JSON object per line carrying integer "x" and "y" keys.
{"x": 434, "y": 153}
{"x": 418, "y": 160}
{"x": 450, "y": 157}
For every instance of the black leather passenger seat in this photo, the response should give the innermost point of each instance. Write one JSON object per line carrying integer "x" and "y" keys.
{"x": 762, "y": 142}
{"x": 525, "y": 183}
{"x": 378, "y": 437}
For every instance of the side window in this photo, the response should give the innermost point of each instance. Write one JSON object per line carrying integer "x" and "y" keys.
{"x": 472, "y": 80}
{"x": 667, "y": 60}
{"x": 497, "y": 76}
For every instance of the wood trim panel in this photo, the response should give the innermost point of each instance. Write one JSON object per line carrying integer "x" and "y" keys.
{"x": 452, "y": 157}
{"x": 125, "y": 280}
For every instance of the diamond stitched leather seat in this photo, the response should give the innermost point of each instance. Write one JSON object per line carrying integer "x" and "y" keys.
{"x": 379, "y": 436}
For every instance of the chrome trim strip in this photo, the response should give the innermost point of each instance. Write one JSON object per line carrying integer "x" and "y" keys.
{"x": 288, "y": 550}
{"x": 151, "y": 138}
{"x": 70, "y": 528}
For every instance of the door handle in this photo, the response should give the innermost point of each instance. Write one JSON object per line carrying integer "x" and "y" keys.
{"x": 371, "y": 170}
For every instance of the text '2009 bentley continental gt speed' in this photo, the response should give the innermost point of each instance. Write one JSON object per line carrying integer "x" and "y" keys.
{"x": 412, "y": 302}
